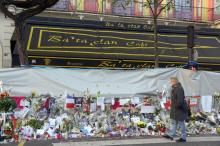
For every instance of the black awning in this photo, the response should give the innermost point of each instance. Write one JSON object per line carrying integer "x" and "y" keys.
{"x": 65, "y": 45}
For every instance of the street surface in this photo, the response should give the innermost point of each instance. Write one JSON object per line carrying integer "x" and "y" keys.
{"x": 192, "y": 141}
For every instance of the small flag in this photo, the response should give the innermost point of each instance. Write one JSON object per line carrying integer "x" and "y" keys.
{"x": 70, "y": 101}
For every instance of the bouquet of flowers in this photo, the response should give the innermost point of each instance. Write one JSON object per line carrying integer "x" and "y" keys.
{"x": 216, "y": 95}
{"x": 35, "y": 123}
{"x": 7, "y": 104}
{"x": 8, "y": 128}
{"x": 141, "y": 124}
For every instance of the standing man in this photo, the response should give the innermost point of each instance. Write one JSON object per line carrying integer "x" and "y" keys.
{"x": 178, "y": 113}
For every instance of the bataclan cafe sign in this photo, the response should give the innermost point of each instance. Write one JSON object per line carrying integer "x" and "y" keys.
{"x": 125, "y": 46}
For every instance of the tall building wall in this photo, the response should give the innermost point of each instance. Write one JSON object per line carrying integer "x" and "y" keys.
{"x": 197, "y": 10}
{"x": 204, "y": 10}
{"x": 6, "y": 31}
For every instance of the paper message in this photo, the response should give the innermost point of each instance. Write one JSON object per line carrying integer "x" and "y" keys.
{"x": 40, "y": 132}
{"x": 123, "y": 101}
{"x": 25, "y": 103}
{"x": 147, "y": 109}
{"x": 135, "y": 100}
{"x": 113, "y": 101}
{"x": 162, "y": 105}
{"x": 100, "y": 101}
{"x": 51, "y": 132}
{"x": 52, "y": 122}
{"x": 21, "y": 113}
{"x": 206, "y": 102}
{"x": 92, "y": 107}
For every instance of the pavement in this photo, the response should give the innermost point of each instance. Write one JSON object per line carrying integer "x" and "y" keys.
{"x": 141, "y": 141}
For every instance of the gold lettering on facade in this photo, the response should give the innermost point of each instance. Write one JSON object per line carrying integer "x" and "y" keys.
{"x": 75, "y": 40}
{"x": 107, "y": 64}
{"x": 109, "y": 24}
{"x": 78, "y": 40}
{"x": 128, "y": 26}
{"x": 136, "y": 44}
{"x": 55, "y": 38}
{"x": 130, "y": 44}
{"x": 103, "y": 42}
{"x": 121, "y": 25}
{"x": 66, "y": 40}
{"x": 125, "y": 65}
{"x": 134, "y": 26}
{"x": 138, "y": 26}
{"x": 147, "y": 27}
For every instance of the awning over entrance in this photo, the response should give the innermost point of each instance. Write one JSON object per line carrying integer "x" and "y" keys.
{"x": 66, "y": 43}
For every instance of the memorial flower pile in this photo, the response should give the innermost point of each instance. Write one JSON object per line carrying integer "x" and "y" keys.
{"x": 68, "y": 117}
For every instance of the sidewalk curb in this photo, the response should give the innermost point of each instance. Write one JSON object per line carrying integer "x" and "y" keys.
{"x": 135, "y": 141}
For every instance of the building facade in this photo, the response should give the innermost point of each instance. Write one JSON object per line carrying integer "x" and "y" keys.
{"x": 6, "y": 31}
{"x": 193, "y": 10}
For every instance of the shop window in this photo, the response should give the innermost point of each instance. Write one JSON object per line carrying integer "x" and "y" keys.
{"x": 122, "y": 7}
{"x": 61, "y": 5}
{"x": 183, "y": 9}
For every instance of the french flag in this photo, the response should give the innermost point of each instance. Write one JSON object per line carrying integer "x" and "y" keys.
{"x": 70, "y": 102}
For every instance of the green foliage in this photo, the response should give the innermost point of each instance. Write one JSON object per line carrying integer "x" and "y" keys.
{"x": 7, "y": 104}
{"x": 18, "y": 123}
{"x": 35, "y": 124}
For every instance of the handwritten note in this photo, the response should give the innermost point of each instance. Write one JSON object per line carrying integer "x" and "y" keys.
{"x": 147, "y": 109}
{"x": 101, "y": 102}
{"x": 135, "y": 100}
{"x": 52, "y": 122}
{"x": 92, "y": 107}
{"x": 206, "y": 102}
{"x": 124, "y": 101}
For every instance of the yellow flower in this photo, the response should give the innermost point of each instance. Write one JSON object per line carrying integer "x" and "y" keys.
{"x": 141, "y": 124}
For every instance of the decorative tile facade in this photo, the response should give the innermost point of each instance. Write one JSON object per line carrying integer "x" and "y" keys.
{"x": 193, "y": 10}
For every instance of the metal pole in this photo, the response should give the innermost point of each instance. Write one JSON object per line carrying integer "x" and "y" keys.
{"x": 191, "y": 54}
{"x": 190, "y": 42}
